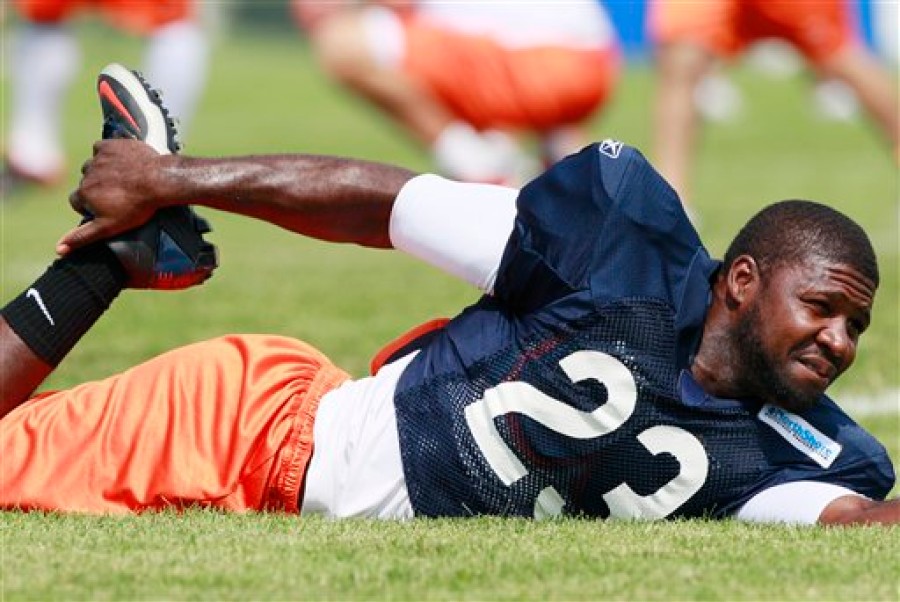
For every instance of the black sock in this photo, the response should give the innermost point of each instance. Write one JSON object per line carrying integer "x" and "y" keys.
{"x": 62, "y": 305}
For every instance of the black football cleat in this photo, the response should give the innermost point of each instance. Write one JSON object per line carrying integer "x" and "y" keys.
{"x": 168, "y": 252}
{"x": 132, "y": 109}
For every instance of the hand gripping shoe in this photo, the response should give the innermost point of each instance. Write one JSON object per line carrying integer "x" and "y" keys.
{"x": 168, "y": 252}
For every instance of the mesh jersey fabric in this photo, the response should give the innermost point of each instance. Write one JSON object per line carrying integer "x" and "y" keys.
{"x": 567, "y": 391}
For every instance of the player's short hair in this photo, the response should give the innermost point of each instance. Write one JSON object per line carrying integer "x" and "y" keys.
{"x": 792, "y": 231}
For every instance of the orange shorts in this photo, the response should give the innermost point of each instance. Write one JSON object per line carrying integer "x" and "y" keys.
{"x": 817, "y": 28}
{"x": 226, "y": 423}
{"x": 492, "y": 86}
{"x": 136, "y": 17}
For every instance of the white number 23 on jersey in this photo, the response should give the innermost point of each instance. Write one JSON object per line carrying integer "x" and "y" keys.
{"x": 623, "y": 502}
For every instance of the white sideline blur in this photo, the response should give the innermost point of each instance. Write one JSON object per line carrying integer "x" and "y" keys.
{"x": 877, "y": 404}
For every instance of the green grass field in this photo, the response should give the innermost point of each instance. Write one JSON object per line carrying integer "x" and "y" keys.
{"x": 264, "y": 95}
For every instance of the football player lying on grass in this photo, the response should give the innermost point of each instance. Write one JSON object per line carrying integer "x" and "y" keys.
{"x": 611, "y": 368}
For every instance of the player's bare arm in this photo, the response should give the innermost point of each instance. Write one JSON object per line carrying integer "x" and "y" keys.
{"x": 21, "y": 371}
{"x": 333, "y": 199}
{"x": 854, "y": 510}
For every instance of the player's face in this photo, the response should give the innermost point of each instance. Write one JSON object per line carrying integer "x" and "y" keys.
{"x": 802, "y": 329}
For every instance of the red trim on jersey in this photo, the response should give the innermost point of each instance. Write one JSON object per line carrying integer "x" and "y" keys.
{"x": 388, "y": 351}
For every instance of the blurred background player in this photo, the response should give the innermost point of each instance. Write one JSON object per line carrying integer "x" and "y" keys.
{"x": 690, "y": 38}
{"x": 45, "y": 57}
{"x": 470, "y": 81}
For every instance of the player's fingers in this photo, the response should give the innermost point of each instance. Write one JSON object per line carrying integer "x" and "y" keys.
{"x": 74, "y": 200}
{"x": 78, "y": 204}
{"x": 81, "y": 235}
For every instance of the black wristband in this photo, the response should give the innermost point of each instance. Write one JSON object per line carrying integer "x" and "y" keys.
{"x": 62, "y": 305}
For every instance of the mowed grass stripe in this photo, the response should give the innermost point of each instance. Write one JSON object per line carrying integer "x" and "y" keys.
{"x": 210, "y": 556}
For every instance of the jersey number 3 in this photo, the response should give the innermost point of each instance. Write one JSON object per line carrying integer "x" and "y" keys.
{"x": 623, "y": 502}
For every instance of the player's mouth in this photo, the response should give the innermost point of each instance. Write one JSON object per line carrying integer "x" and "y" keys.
{"x": 818, "y": 369}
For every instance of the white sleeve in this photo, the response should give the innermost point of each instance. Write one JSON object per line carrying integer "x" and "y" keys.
{"x": 798, "y": 502}
{"x": 461, "y": 228}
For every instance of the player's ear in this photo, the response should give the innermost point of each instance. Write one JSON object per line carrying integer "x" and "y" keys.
{"x": 742, "y": 280}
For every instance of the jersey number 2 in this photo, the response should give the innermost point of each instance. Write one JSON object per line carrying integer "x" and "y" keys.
{"x": 623, "y": 502}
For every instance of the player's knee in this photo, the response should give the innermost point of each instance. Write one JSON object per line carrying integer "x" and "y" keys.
{"x": 683, "y": 63}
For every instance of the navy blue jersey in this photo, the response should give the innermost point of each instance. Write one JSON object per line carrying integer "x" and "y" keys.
{"x": 567, "y": 390}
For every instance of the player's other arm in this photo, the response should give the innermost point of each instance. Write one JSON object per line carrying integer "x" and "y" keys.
{"x": 855, "y": 509}
{"x": 817, "y": 502}
{"x": 330, "y": 198}
{"x": 821, "y": 503}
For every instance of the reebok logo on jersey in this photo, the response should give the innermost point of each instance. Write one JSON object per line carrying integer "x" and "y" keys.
{"x": 33, "y": 293}
{"x": 801, "y": 435}
{"x": 611, "y": 148}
